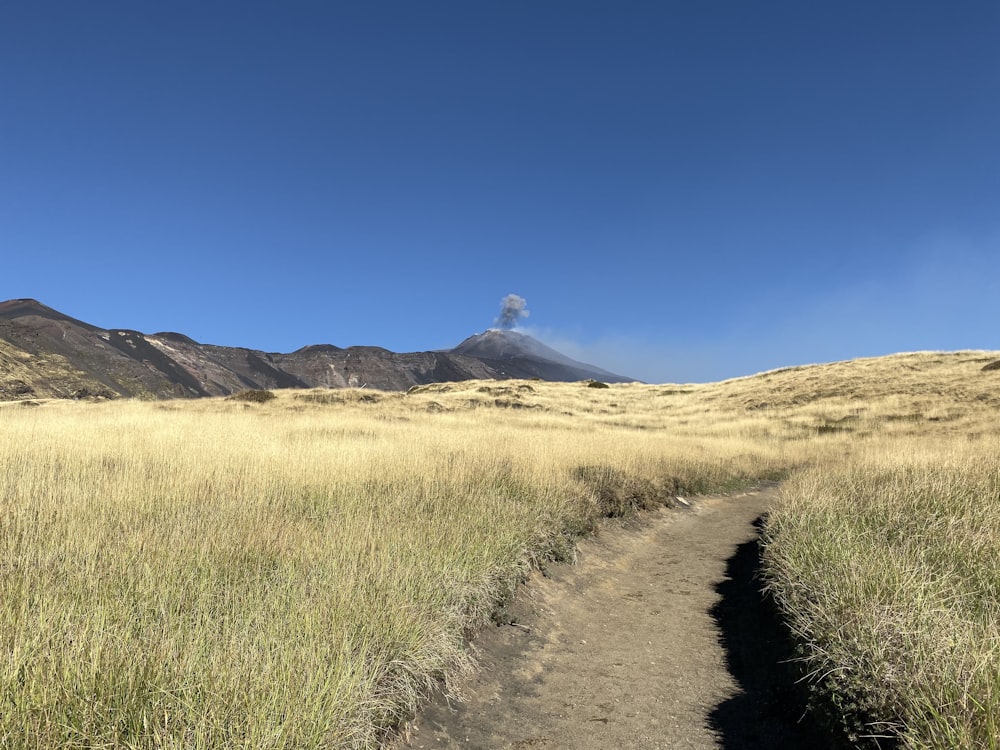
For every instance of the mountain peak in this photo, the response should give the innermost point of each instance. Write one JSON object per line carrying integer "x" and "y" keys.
{"x": 519, "y": 355}
{"x": 21, "y": 308}
{"x": 502, "y": 343}
{"x": 15, "y": 308}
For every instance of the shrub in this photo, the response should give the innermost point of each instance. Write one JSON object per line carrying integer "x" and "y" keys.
{"x": 254, "y": 396}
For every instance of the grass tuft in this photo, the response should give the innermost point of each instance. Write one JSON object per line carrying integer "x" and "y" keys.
{"x": 253, "y": 396}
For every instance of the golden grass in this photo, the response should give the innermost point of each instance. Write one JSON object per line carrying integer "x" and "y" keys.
{"x": 298, "y": 573}
{"x": 889, "y": 569}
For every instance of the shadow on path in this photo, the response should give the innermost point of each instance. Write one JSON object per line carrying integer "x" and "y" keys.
{"x": 769, "y": 711}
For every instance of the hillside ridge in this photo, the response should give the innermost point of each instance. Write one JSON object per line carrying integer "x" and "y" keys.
{"x": 45, "y": 353}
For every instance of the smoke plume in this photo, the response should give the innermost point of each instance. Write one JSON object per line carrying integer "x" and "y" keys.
{"x": 513, "y": 308}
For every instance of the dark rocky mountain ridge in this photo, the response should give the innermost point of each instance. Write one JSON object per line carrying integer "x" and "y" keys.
{"x": 47, "y": 354}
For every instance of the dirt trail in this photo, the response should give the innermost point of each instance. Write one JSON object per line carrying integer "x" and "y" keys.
{"x": 656, "y": 638}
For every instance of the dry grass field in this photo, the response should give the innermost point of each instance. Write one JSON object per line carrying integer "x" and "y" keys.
{"x": 297, "y": 573}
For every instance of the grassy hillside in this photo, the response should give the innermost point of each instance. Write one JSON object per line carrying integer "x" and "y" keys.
{"x": 296, "y": 573}
{"x": 24, "y": 376}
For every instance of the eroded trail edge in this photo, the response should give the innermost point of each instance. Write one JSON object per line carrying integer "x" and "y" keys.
{"x": 656, "y": 638}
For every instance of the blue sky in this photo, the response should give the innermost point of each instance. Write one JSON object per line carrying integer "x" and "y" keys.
{"x": 682, "y": 191}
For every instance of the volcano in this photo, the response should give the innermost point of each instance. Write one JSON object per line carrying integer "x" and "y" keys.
{"x": 517, "y": 355}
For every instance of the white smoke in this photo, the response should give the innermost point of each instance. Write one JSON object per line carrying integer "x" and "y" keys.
{"x": 513, "y": 308}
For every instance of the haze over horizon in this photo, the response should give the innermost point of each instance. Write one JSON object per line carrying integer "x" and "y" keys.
{"x": 677, "y": 191}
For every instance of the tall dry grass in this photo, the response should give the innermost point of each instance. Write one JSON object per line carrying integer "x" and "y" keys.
{"x": 298, "y": 573}
{"x": 886, "y": 561}
{"x": 888, "y": 570}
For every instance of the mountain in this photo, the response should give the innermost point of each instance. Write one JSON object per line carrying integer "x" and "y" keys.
{"x": 47, "y": 354}
{"x": 517, "y": 355}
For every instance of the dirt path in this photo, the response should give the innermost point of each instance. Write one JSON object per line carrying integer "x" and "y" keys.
{"x": 656, "y": 638}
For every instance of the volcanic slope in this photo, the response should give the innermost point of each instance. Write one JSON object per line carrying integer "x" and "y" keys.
{"x": 517, "y": 355}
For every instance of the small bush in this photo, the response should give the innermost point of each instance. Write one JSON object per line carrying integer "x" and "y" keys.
{"x": 20, "y": 388}
{"x": 618, "y": 495}
{"x": 596, "y": 384}
{"x": 254, "y": 396}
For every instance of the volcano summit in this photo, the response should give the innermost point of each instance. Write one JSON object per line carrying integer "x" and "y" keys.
{"x": 516, "y": 355}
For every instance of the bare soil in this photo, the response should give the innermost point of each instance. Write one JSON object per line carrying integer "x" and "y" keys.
{"x": 658, "y": 637}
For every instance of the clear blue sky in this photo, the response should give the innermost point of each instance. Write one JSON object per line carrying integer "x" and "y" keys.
{"x": 682, "y": 191}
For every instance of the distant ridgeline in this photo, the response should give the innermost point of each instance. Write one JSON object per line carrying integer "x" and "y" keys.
{"x": 46, "y": 354}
